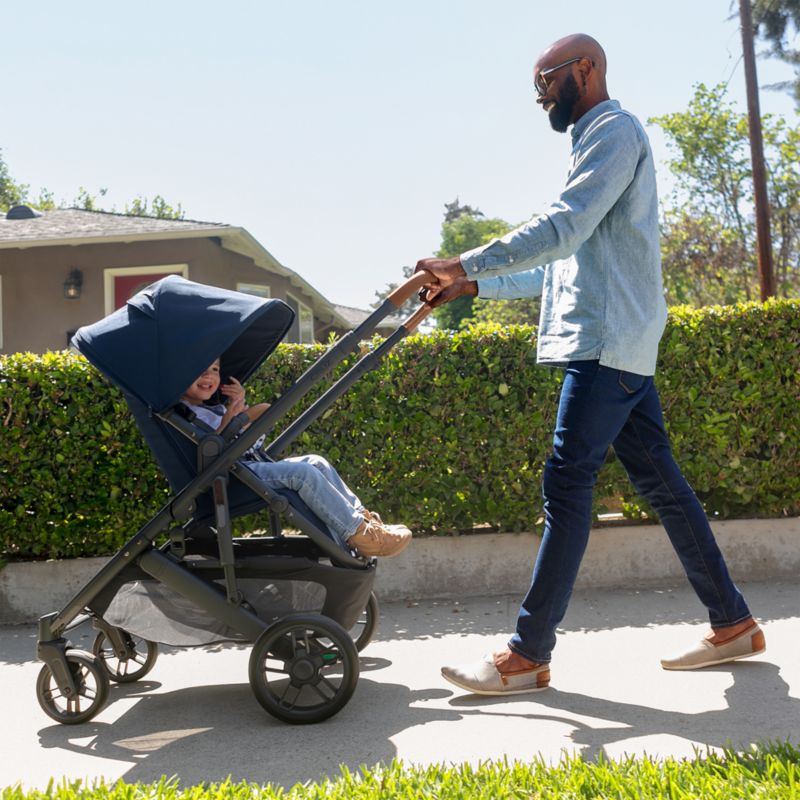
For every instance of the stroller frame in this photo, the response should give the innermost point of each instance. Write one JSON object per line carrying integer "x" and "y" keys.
{"x": 73, "y": 684}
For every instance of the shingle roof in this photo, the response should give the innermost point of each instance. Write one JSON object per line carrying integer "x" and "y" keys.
{"x": 355, "y": 316}
{"x": 77, "y": 226}
{"x": 73, "y": 223}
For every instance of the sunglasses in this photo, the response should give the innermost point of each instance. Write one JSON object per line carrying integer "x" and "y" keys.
{"x": 540, "y": 82}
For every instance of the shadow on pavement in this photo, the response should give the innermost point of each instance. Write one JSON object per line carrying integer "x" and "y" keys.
{"x": 758, "y": 708}
{"x": 209, "y": 733}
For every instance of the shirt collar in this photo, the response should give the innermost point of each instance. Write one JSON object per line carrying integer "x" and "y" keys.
{"x": 591, "y": 115}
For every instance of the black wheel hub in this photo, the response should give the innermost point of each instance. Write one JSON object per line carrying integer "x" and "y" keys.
{"x": 302, "y": 670}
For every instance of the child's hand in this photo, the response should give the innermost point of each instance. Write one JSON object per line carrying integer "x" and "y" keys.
{"x": 234, "y": 395}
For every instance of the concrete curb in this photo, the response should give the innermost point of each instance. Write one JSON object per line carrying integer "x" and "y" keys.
{"x": 476, "y": 564}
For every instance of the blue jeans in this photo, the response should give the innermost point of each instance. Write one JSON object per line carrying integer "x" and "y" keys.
{"x": 602, "y": 407}
{"x": 319, "y": 486}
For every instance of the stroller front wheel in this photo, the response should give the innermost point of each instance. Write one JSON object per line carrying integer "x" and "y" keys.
{"x": 91, "y": 682}
{"x": 139, "y": 658}
{"x": 303, "y": 668}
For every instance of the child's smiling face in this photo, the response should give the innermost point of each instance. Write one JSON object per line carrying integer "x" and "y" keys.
{"x": 205, "y": 386}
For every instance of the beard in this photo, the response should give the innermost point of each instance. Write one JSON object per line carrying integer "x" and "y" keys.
{"x": 560, "y": 114}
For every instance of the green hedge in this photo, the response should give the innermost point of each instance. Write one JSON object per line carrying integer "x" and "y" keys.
{"x": 449, "y": 433}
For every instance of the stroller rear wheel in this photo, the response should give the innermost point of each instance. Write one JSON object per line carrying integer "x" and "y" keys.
{"x": 138, "y": 660}
{"x": 364, "y": 629}
{"x": 91, "y": 682}
{"x": 304, "y": 668}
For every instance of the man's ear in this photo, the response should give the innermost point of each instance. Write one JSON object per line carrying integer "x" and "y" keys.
{"x": 585, "y": 67}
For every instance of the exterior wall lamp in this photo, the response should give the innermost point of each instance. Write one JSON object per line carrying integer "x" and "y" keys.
{"x": 73, "y": 284}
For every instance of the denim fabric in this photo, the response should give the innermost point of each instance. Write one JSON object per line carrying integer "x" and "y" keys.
{"x": 595, "y": 252}
{"x": 312, "y": 477}
{"x": 602, "y": 407}
{"x": 319, "y": 486}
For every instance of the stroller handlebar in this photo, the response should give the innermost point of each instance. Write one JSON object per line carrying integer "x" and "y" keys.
{"x": 414, "y": 320}
{"x": 410, "y": 287}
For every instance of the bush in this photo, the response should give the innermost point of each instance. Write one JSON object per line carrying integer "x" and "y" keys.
{"x": 449, "y": 433}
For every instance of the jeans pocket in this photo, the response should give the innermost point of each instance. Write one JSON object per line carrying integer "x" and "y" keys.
{"x": 630, "y": 381}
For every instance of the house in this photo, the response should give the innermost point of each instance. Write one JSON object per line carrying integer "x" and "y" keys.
{"x": 65, "y": 268}
{"x": 353, "y": 317}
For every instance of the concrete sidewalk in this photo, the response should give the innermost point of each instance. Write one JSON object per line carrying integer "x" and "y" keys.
{"x": 194, "y": 715}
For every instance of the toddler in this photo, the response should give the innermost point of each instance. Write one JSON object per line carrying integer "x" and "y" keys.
{"x": 312, "y": 477}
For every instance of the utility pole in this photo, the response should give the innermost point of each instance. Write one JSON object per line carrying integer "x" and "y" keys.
{"x": 766, "y": 277}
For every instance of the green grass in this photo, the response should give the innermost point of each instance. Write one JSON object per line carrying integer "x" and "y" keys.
{"x": 769, "y": 771}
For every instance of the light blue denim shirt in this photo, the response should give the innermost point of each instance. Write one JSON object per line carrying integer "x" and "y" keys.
{"x": 594, "y": 253}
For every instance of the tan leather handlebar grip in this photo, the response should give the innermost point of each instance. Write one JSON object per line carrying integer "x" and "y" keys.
{"x": 411, "y": 323}
{"x": 410, "y": 287}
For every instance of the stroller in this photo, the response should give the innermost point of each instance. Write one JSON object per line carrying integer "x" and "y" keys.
{"x": 304, "y": 602}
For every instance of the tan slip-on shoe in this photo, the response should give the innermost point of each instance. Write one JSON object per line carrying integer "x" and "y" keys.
{"x": 374, "y": 539}
{"x": 748, "y": 643}
{"x": 483, "y": 677}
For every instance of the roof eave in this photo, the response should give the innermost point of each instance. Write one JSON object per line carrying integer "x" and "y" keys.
{"x": 237, "y": 240}
{"x": 240, "y": 240}
{"x": 119, "y": 238}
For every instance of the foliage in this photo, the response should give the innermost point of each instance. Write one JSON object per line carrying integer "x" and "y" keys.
{"x": 70, "y": 440}
{"x": 778, "y": 21}
{"x": 697, "y": 254}
{"x": 13, "y": 193}
{"x": 159, "y": 208}
{"x": 764, "y": 770}
{"x": 381, "y": 295}
{"x": 708, "y": 236}
{"x": 449, "y": 433}
{"x": 522, "y": 311}
{"x": 464, "y": 229}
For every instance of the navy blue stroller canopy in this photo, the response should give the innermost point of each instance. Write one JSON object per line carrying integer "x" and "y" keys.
{"x": 156, "y": 345}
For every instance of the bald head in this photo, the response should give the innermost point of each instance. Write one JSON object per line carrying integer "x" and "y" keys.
{"x": 571, "y": 78}
{"x": 576, "y": 45}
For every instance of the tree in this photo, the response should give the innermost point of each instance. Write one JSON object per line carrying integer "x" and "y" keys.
{"x": 382, "y": 294}
{"x": 523, "y": 311}
{"x": 778, "y": 21}
{"x": 455, "y": 210}
{"x": 159, "y": 208}
{"x": 696, "y": 255}
{"x": 13, "y": 194}
{"x": 708, "y": 235}
{"x": 464, "y": 228}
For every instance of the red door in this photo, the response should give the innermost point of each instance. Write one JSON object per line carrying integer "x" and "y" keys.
{"x": 126, "y": 286}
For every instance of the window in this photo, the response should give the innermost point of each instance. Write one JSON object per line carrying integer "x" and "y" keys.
{"x": 306, "y": 325}
{"x": 121, "y": 283}
{"x": 256, "y": 289}
{"x": 302, "y": 329}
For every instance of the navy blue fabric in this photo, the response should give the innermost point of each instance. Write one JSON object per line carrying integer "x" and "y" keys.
{"x": 177, "y": 457}
{"x": 167, "y": 334}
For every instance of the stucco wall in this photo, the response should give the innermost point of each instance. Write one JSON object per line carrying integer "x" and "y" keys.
{"x": 36, "y": 316}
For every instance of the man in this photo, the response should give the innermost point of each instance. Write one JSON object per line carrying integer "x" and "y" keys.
{"x": 594, "y": 258}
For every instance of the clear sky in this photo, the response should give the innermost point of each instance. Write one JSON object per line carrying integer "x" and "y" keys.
{"x": 334, "y": 131}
